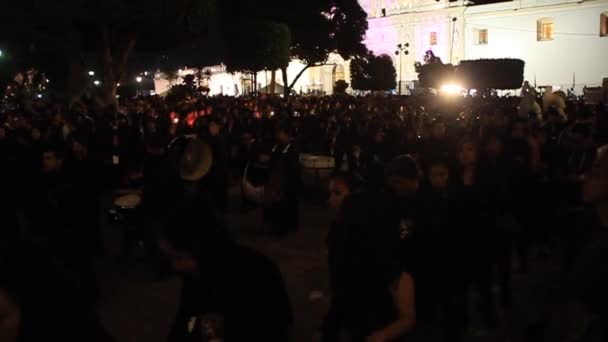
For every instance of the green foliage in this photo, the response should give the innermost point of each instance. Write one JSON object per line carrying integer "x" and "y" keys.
{"x": 317, "y": 28}
{"x": 483, "y": 74}
{"x": 100, "y": 35}
{"x": 433, "y": 73}
{"x": 486, "y": 74}
{"x": 373, "y": 73}
{"x": 266, "y": 48}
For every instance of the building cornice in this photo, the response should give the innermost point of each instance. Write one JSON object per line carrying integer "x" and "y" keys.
{"x": 515, "y": 8}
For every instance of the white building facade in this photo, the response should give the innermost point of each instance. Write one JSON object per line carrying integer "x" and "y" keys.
{"x": 564, "y": 43}
{"x": 317, "y": 79}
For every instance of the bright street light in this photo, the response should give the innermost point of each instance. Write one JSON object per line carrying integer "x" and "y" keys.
{"x": 138, "y": 79}
{"x": 96, "y": 82}
{"x": 451, "y": 89}
{"x": 91, "y": 73}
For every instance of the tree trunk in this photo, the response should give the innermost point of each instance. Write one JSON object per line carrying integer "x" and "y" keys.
{"x": 285, "y": 87}
{"x": 273, "y": 82}
{"x": 114, "y": 62}
{"x": 255, "y": 82}
{"x": 76, "y": 80}
{"x": 289, "y": 87}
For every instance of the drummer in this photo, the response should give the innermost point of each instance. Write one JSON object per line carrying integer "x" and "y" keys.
{"x": 194, "y": 171}
{"x": 281, "y": 193}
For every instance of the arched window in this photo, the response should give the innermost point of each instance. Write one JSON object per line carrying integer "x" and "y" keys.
{"x": 339, "y": 72}
{"x": 544, "y": 29}
{"x": 604, "y": 24}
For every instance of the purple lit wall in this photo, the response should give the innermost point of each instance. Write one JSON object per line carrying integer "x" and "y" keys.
{"x": 384, "y": 34}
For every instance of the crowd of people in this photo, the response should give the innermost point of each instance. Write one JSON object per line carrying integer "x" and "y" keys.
{"x": 433, "y": 198}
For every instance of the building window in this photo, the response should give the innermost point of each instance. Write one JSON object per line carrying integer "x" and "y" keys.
{"x": 481, "y": 37}
{"x": 604, "y": 25}
{"x": 544, "y": 29}
{"x": 433, "y": 38}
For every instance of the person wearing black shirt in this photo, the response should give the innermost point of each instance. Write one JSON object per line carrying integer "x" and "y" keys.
{"x": 281, "y": 194}
{"x": 371, "y": 282}
{"x": 40, "y": 300}
{"x": 229, "y": 292}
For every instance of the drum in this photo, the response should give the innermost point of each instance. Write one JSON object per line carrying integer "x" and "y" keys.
{"x": 252, "y": 192}
{"x": 125, "y": 208}
{"x": 316, "y": 169}
{"x": 129, "y": 201}
{"x": 309, "y": 161}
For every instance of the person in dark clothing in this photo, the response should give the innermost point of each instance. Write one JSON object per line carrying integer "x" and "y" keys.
{"x": 495, "y": 179}
{"x": 579, "y": 292}
{"x": 281, "y": 193}
{"x": 374, "y": 158}
{"x": 372, "y": 287}
{"x": 438, "y": 145}
{"x": 441, "y": 273}
{"x": 40, "y": 300}
{"x": 229, "y": 292}
{"x": 61, "y": 214}
{"x": 475, "y": 222}
{"x": 9, "y": 194}
{"x": 82, "y": 170}
{"x": 346, "y": 139}
{"x": 219, "y": 173}
{"x": 518, "y": 154}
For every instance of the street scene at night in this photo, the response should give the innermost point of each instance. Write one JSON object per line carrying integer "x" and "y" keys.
{"x": 304, "y": 170}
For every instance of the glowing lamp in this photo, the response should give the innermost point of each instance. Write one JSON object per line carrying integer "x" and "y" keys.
{"x": 451, "y": 89}
{"x": 138, "y": 79}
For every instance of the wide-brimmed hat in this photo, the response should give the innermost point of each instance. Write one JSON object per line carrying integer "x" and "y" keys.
{"x": 196, "y": 161}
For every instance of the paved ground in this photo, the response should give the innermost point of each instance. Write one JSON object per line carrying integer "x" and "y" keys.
{"x": 136, "y": 308}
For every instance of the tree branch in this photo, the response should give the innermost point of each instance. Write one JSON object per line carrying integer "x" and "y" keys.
{"x": 293, "y": 83}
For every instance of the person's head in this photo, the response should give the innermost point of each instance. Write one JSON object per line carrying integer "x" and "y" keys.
{"x": 80, "y": 146}
{"x": 247, "y": 137}
{"x": 467, "y": 153}
{"x": 36, "y": 134}
{"x": 195, "y": 241}
{"x": 215, "y": 127}
{"x": 493, "y": 146}
{"x": 402, "y": 176}
{"x": 518, "y": 130}
{"x": 438, "y": 174}
{"x": 341, "y": 185}
{"x": 439, "y": 129}
{"x": 283, "y": 133}
{"x": 52, "y": 159}
{"x": 379, "y": 136}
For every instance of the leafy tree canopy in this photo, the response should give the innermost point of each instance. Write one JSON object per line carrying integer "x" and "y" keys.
{"x": 374, "y": 73}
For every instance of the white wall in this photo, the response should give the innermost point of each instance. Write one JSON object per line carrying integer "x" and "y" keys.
{"x": 577, "y": 46}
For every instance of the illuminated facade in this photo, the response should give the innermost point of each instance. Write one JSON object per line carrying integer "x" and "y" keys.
{"x": 563, "y": 42}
